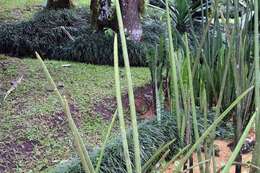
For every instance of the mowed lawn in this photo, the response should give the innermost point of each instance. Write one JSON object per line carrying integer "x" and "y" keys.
{"x": 23, "y": 3}
{"x": 17, "y": 10}
{"x": 34, "y": 131}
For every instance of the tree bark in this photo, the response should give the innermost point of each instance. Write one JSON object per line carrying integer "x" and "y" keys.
{"x": 59, "y": 4}
{"x": 131, "y": 10}
{"x": 104, "y": 16}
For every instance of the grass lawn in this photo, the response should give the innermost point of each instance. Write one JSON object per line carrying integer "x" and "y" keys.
{"x": 23, "y": 3}
{"x": 34, "y": 130}
{"x": 16, "y": 10}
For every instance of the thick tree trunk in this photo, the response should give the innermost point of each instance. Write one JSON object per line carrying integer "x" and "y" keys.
{"x": 131, "y": 10}
{"x": 59, "y": 4}
{"x": 103, "y": 16}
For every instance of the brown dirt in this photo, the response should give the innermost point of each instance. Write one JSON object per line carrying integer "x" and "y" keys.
{"x": 143, "y": 101}
{"x": 223, "y": 156}
{"x": 16, "y": 146}
{"x": 13, "y": 149}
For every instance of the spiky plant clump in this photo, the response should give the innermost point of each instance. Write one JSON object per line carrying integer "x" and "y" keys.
{"x": 152, "y": 135}
{"x": 44, "y": 33}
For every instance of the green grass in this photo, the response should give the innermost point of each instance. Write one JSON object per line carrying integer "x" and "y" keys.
{"x": 30, "y": 110}
{"x": 16, "y": 10}
{"x": 24, "y": 3}
{"x": 21, "y": 3}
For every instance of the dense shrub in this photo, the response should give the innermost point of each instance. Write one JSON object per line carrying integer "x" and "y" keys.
{"x": 152, "y": 135}
{"x": 43, "y": 33}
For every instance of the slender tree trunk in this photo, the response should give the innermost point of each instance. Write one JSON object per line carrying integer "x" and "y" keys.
{"x": 102, "y": 15}
{"x": 59, "y": 4}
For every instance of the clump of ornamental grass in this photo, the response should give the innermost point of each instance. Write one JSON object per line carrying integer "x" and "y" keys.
{"x": 152, "y": 135}
{"x": 185, "y": 123}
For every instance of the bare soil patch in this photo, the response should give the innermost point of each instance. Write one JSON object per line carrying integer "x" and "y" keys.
{"x": 144, "y": 103}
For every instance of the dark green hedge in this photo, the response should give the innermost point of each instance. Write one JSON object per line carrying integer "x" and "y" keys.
{"x": 43, "y": 33}
{"x": 152, "y": 135}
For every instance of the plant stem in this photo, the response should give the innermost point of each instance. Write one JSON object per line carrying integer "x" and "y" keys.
{"x": 130, "y": 89}
{"x": 120, "y": 108}
{"x": 105, "y": 142}
{"x": 173, "y": 69}
{"x": 256, "y": 158}
{"x": 193, "y": 106}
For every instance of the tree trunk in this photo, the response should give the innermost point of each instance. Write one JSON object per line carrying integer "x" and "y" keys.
{"x": 131, "y": 10}
{"x": 103, "y": 16}
{"x": 59, "y": 4}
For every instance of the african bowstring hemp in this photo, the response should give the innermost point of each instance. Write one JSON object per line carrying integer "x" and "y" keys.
{"x": 137, "y": 153}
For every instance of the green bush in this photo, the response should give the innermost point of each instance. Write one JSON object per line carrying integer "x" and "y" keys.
{"x": 152, "y": 135}
{"x": 43, "y": 33}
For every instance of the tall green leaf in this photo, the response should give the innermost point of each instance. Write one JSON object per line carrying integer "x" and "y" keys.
{"x": 120, "y": 108}
{"x": 130, "y": 89}
{"x": 256, "y": 158}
